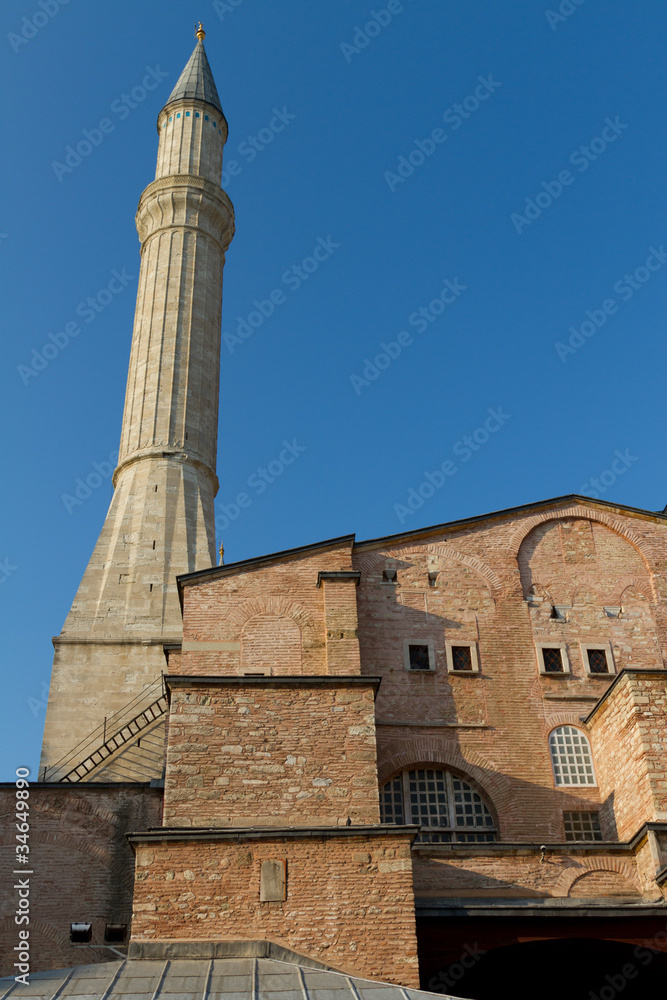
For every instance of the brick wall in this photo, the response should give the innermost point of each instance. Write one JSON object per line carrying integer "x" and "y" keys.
{"x": 497, "y": 581}
{"x": 83, "y": 866}
{"x": 225, "y": 617}
{"x": 264, "y": 753}
{"x": 349, "y": 898}
{"x": 521, "y": 873}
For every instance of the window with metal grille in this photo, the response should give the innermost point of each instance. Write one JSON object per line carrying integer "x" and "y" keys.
{"x": 391, "y": 801}
{"x": 418, "y": 658}
{"x": 462, "y": 658}
{"x": 446, "y": 807}
{"x": 552, "y": 657}
{"x": 582, "y": 826}
{"x": 597, "y": 661}
{"x": 571, "y": 757}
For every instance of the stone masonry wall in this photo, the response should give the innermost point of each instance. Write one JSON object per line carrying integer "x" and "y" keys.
{"x": 349, "y": 900}
{"x": 263, "y": 753}
{"x": 629, "y": 732}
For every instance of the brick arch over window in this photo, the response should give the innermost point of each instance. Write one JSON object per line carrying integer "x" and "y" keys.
{"x": 581, "y": 868}
{"x": 374, "y": 562}
{"x": 580, "y": 512}
{"x": 552, "y": 722}
{"x": 431, "y": 751}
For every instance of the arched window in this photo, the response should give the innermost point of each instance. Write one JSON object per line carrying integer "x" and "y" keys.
{"x": 571, "y": 757}
{"x": 446, "y": 807}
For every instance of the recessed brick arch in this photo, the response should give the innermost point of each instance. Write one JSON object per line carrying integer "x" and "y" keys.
{"x": 585, "y": 513}
{"x": 71, "y": 846}
{"x": 445, "y": 551}
{"x": 642, "y": 587}
{"x": 374, "y": 561}
{"x": 431, "y": 751}
{"x": 8, "y": 928}
{"x": 585, "y": 866}
{"x": 271, "y": 604}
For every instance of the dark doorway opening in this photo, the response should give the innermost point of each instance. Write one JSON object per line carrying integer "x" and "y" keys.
{"x": 577, "y": 968}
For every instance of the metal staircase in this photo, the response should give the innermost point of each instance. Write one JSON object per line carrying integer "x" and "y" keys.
{"x": 138, "y": 719}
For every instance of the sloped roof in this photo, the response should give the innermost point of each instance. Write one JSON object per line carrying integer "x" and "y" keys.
{"x": 196, "y": 82}
{"x": 204, "y": 979}
{"x": 212, "y": 572}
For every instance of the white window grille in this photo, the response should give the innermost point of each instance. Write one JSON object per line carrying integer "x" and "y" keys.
{"x": 571, "y": 757}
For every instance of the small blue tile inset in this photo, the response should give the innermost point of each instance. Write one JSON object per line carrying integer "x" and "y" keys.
{"x": 170, "y": 118}
{"x": 187, "y": 114}
{"x": 205, "y": 118}
{"x": 196, "y": 114}
{"x": 178, "y": 115}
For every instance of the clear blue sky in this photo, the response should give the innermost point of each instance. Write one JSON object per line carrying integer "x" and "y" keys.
{"x": 354, "y": 105}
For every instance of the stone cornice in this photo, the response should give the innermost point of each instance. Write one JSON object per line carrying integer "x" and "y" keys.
{"x": 243, "y": 834}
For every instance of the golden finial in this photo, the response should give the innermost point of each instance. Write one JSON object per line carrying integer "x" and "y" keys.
{"x": 199, "y": 32}
{"x": 222, "y": 554}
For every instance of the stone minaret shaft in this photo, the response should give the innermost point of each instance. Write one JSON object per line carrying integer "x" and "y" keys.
{"x": 161, "y": 519}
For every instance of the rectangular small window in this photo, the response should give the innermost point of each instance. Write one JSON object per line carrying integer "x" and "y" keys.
{"x": 115, "y": 933}
{"x": 419, "y": 658}
{"x": 582, "y": 826}
{"x": 461, "y": 658}
{"x": 553, "y": 659}
{"x": 597, "y": 661}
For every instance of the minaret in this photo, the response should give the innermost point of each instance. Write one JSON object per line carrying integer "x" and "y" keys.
{"x": 161, "y": 519}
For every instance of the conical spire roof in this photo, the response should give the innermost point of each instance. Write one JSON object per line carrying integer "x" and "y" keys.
{"x": 196, "y": 82}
